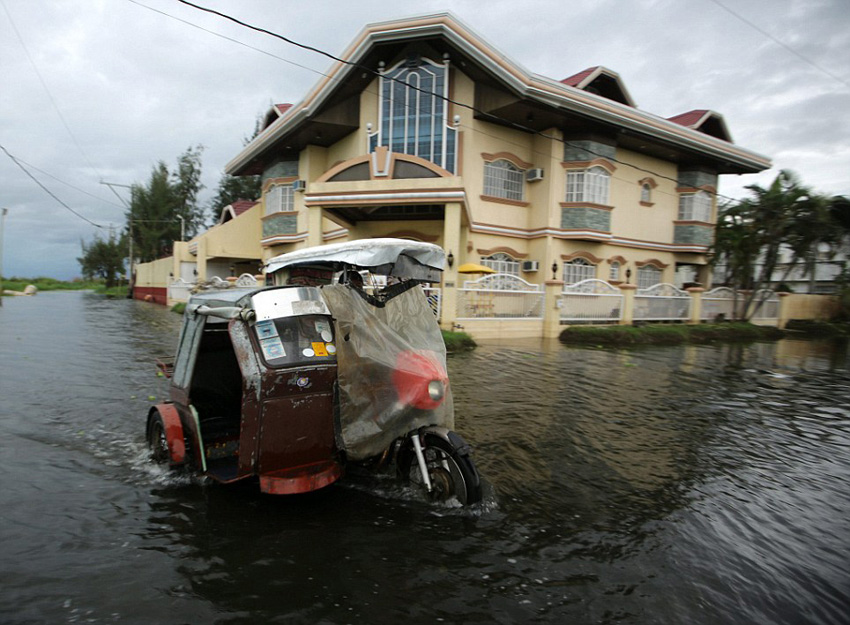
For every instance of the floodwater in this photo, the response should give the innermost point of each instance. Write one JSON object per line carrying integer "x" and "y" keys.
{"x": 663, "y": 485}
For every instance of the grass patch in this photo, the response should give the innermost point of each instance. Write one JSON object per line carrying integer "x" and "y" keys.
{"x": 179, "y": 308}
{"x": 47, "y": 284}
{"x": 669, "y": 334}
{"x": 458, "y": 341}
{"x": 818, "y": 329}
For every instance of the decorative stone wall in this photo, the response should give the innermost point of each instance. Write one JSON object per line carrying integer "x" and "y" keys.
{"x": 693, "y": 234}
{"x": 281, "y": 169}
{"x": 584, "y": 150}
{"x": 585, "y": 217}
{"x": 280, "y": 223}
{"x": 696, "y": 179}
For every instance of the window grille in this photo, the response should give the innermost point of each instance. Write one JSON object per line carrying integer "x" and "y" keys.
{"x": 588, "y": 185}
{"x": 505, "y": 180}
{"x": 695, "y": 206}
{"x": 614, "y": 273}
{"x": 645, "y": 193}
{"x": 279, "y": 198}
{"x": 578, "y": 270}
{"x": 648, "y": 276}
{"x": 502, "y": 263}
{"x": 414, "y": 110}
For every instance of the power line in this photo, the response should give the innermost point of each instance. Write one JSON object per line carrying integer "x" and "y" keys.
{"x": 232, "y": 40}
{"x": 778, "y": 41}
{"x": 48, "y": 191}
{"x": 68, "y": 184}
{"x": 47, "y": 90}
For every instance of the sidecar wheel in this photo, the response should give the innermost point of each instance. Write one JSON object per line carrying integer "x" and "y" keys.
{"x": 157, "y": 442}
{"x": 452, "y": 474}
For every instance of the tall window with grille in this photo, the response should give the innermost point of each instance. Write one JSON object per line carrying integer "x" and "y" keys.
{"x": 695, "y": 206}
{"x": 503, "y": 179}
{"x": 577, "y": 270}
{"x": 648, "y": 276}
{"x": 614, "y": 271}
{"x": 280, "y": 197}
{"x": 588, "y": 185}
{"x": 414, "y": 112}
{"x": 502, "y": 263}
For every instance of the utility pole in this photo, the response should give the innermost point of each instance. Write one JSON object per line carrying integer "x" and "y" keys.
{"x": 129, "y": 224}
{"x": 3, "y": 213}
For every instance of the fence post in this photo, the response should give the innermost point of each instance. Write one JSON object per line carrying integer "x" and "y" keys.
{"x": 629, "y": 291}
{"x": 696, "y": 304}
{"x": 551, "y": 310}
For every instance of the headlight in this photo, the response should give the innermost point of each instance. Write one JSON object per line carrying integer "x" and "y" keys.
{"x": 436, "y": 390}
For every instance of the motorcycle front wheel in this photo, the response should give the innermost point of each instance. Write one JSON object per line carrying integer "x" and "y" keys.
{"x": 450, "y": 469}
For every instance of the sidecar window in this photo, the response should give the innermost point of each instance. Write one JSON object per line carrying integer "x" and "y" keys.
{"x": 306, "y": 339}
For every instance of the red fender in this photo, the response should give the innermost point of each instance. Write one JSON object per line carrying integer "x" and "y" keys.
{"x": 173, "y": 432}
{"x": 414, "y": 371}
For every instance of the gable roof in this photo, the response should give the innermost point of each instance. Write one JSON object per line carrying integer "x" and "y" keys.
{"x": 602, "y": 81}
{"x": 232, "y": 211}
{"x": 706, "y": 121}
{"x": 330, "y": 110}
{"x": 274, "y": 113}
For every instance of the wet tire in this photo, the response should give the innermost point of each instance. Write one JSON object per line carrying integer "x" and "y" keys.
{"x": 157, "y": 441}
{"x": 452, "y": 473}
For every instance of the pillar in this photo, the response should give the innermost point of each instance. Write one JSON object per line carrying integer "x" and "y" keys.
{"x": 315, "y": 215}
{"x": 202, "y": 259}
{"x": 552, "y": 308}
{"x": 629, "y": 291}
{"x": 451, "y": 244}
{"x": 696, "y": 304}
{"x": 784, "y": 310}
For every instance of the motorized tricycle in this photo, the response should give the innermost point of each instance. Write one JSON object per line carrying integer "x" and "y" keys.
{"x": 292, "y": 382}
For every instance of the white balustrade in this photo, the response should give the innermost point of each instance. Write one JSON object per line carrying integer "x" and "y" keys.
{"x": 500, "y": 296}
{"x": 591, "y": 300}
{"x": 662, "y": 302}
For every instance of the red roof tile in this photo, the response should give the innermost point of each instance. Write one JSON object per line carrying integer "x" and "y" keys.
{"x": 689, "y": 119}
{"x": 575, "y": 79}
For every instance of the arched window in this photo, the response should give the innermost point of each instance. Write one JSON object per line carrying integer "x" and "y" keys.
{"x": 414, "y": 111}
{"x": 588, "y": 185}
{"x": 502, "y": 263}
{"x": 645, "y": 192}
{"x": 279, "y": 197}
{"x": 577, "y": 270}
{"x": 648, "y": 276}
{"x": 614, "y": 271}
{"x": 505, "y": 180}
{"x": 695, "y": 206}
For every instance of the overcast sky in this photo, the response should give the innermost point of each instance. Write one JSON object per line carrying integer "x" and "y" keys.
{"x": 103, "y": 89}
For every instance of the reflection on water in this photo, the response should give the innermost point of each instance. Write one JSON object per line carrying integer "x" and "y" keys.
{"x": 697, "y": 484}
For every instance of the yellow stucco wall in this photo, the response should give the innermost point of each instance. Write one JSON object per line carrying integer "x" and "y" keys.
{"x": 154, "y": 273}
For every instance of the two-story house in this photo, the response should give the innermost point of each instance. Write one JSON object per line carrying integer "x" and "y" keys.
{"x": 424, "y": 130}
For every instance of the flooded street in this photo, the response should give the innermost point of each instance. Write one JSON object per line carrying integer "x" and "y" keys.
{"x": 697, "y": 484}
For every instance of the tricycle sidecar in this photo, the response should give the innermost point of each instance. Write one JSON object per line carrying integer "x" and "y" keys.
{"x": 252, "y": 390}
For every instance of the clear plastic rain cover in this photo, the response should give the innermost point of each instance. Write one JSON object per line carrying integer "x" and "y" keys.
{"x": 391, "y": 368}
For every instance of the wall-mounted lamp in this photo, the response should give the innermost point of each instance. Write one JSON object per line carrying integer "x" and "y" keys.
{"x": 628, "y": 275}
{"x": 555, "y": 270}
{"x": 450, "y": 259}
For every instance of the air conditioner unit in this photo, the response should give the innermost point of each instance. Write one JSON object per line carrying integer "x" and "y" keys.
{"x": 299, "y": 185}
{"x": 533, "y": 175}
{"x": 530, "y": 265}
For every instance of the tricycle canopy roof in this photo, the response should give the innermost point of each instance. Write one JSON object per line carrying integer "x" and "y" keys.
{"x": 390, "y": 257}
{"x": 258, "y": 304}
